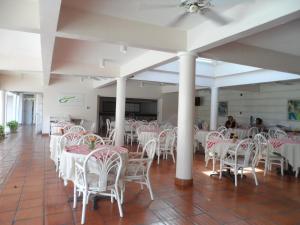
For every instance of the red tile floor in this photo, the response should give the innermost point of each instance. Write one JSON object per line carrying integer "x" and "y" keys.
{"x": 32, "y": 194}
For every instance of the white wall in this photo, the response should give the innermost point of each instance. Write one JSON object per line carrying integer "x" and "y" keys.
{"x": 88, "y": 110}
{"x": 268, "y": 103}
{"x": 169, "y": 107}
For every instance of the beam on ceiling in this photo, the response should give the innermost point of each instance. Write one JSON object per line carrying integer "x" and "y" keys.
{"x": 257, "y": 16}
{"x": 82, "y": 69}
{"x": 255, "y": 56}
{"x": 104, "y": 83}
{"x": 49, "y": 14}
{"x": 83, "y": 25}
{"x": 256, "y": 77}
{"x": 148, "y": 60}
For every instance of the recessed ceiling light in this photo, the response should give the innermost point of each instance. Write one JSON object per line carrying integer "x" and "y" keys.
{"x": 123, "y": 49}
{"x": 102, "y": 63}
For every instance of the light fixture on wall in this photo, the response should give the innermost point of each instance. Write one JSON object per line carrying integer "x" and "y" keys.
{"x": 102, "y": 63}
{"x": 123, "y": 49}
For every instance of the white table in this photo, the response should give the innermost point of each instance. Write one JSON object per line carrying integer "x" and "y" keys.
{"x": 68, "y": 160}
{"x": 54, "y": 147}
{"x": 290, "y": 150}
{"x": 146, "y": 136}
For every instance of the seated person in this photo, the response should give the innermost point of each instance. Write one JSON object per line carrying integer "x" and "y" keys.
{"x": 259, "y": 124}
{"x": 230, "y": 123}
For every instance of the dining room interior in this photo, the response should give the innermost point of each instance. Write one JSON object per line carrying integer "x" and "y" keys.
{"x": 150, "y": 112}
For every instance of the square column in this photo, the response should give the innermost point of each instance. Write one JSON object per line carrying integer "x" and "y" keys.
{"x": 120, "y": 111}
{"x": 214, "y": 108}
{"x": 2, "y": 107}
{"x": 186, "y": 113}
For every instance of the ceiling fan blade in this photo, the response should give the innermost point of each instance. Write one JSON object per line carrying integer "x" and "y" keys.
{"x": 177, "y": 21}
{"x": 216, "y": 17}
{"x": 145, "y": 6}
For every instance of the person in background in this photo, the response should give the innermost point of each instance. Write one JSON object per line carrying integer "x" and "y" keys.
{"x": 230, "y": 123}
{"x": 259, "y": 124}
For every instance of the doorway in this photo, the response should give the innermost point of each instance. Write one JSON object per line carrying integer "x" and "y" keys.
{"x": 28, "y": 109}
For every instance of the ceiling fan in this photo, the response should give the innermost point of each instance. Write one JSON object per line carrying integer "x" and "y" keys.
{"x": 202, "y": 7}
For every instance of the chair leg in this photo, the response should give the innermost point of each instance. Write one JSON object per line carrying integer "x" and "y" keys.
{"x": 75, "y": 197}
{"x": 266, "y": 167}
{"x": 119, "y": 203}
{"x": 173, "y": 156}
{"x": 297, "y": 172}
{"x": 242, "y": 173}
{"x": 84, "y": 201}
{"x": 254, "y": 175}
{"x": 111, "y": 197}
{"x": 221, "y": 168}
{"x": 214, "y": 162}
{"x": 235, "y": 177}
{"x": 150, "y": 188}
{"x": 282, "y": 165}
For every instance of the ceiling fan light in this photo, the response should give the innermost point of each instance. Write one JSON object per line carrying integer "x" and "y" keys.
{"x": 193, "y": 8}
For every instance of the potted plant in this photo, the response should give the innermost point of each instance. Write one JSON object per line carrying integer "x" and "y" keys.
{"x": 13, "y": 126}
{"x": 2, "y": 135}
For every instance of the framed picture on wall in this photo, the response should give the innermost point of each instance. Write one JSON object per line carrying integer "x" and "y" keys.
{"x": 70, "y": 99}
{"x": 223, "y": 108}
{"x": 294, "y": 110}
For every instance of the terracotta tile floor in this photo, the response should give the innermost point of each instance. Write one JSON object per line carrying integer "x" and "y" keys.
{"x": 32, "y": 194}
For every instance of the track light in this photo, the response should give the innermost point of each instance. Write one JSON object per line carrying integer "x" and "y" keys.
{"x": 123, "y": 49}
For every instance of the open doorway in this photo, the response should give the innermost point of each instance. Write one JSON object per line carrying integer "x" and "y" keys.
{"x": 28, "y": 109}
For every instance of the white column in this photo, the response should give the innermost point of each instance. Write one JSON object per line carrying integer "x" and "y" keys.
{"x": 214, "y": 108}
{"x": 186, "y": 111}
{"x": 2, "y": 107}
{"x": 120, "y": 111}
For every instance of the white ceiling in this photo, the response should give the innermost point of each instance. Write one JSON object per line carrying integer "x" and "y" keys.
{"x": 284, "y": 38}
{"x": 156, "y": 12}
{"x": 92, "y": 52}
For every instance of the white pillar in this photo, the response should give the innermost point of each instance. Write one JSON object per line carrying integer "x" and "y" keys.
{"x": 214, "y": 108}
{"x": 186, "y": 112}
{"x": 2, "y": 107}
{"x": 120, "y": 111}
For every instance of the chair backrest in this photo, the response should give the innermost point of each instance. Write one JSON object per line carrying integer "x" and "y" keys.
{"x": 81, "y": 122}
{"x": 175, "y": 130}
{"x": 140, "y": 129}
{"x": 112, "y": 136}
{"x": 265, "y": 134}
{"x": 88, "y": 138}
{"x": 213, "y": 135}
{"x": 76, "y": 129}
{"x": 153, "y": 123}
{"x": 109, "y": 164}
{"x": 108, "y": 124}
{"x": 150, "y": 148}
{"x": 166, "y": 139}
{"x": 67, "y": 127}
{"x": 222, "y": 130}
{"x": 93, "y": 127}
{"x": 272, "y": 131}
{"x": 252, "y": 132}
{"x": 246, "y": 153}
{"x": 69, "y": 139}
{"x": 280, "y": 134}
{"x": 262, "y": 143}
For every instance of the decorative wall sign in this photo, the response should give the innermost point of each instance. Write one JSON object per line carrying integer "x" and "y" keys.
{"x": 294, "y": 110}
{"x": 70, "y": 99}
{"x": 223, "y": 108}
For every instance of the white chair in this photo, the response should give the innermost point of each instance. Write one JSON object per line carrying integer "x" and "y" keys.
{"x": 68, "y": 139}
{"x": 244, "y": 156}
{"x": 76, "y": 129}
{"x": 166, "y": 141}
{"x": 252, "y": 132}
{"x": 273, "y": 157}
{"x": 110, "y": 140}
{"x": 209, "y": 152}
{"x": 132, "y": 135}
{"x": 108, "y": 127}
{"x": 272, "y": 131}
{"x": 138, "y": 170}
{"x": 86, "y": 139}
{"x": 104, "y": 181}
{"x": 280, "y": 134}
{"x": 138, "y": 133}
{"x": 265, "y": 134}
{"x": 222, "y": 130}
{"x": 175, "y": 130}
{"x": 67, "y": 127}
{"x": 263, "y": 145}
{"x": 93, "y": 127}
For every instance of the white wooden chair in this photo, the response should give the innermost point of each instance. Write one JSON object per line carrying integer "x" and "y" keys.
{"x": 138, "y": 169}
{"x": 272, "y": 131}
{"x": 103, "y": 182}
{"x": 222, "y": 130}
{"x": 244, "y": 156}
{"x": 252, "y": 132}
{"x": 108, "y": 127}
{"x": 166, "y": 141}
{"x": 86, "y": 139}
{"x": 273, "y": 157}
{"x": 76, "y": 129}
{"x": 280, "y": 134}
{"x": 209, "y": 152}
{"x": 110, "y": 140}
